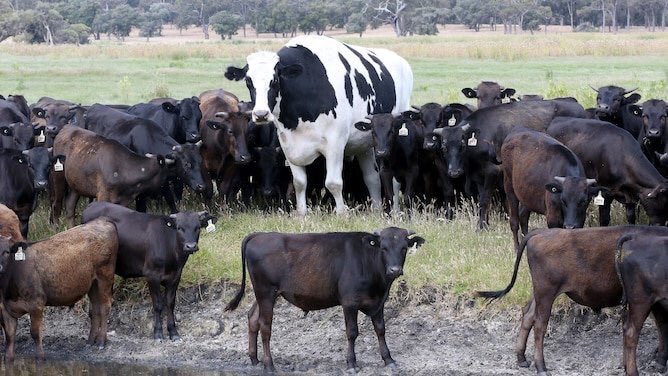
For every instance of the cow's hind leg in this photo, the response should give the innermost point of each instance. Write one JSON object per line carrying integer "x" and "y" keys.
{"x": 299, "y": 184}
{"x": 9, "y": 325}
{"x": 350, "y": 316}
{"x": 633, "y": 322}
{"x": 660, "y": 314}
{"x": 379, "y": 326}
{"x": 100, "y": 296}
{"x": 265, "y": 301}
{"x": 71, "y": 206}
{"x": 544, "y": 301}
{"x": 526, "y": 323}
{"x": 36, "y": 319}
{"x": 170, "y": 297}
{"x": 253, "y": 329}
{"x": 158, "y": 303}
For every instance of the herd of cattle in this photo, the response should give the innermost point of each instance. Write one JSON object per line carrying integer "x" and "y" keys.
{"x": 317, "y": 106}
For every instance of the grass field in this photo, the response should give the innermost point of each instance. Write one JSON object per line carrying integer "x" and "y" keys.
{"x": 456, "y": 259}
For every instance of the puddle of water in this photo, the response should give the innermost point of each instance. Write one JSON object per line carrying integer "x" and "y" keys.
{"x": 51, "y": 367}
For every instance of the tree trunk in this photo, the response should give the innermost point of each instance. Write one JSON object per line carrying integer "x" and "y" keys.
{"x": 205, "y": 30}
{"x": 49, "y": 36}
{"x": 603, "y": 16}
{"x": 244, "y": 28}
{"x": 628, "y": 16}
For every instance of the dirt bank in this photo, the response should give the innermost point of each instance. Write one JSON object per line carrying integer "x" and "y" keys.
{"x": 442, "y": 338}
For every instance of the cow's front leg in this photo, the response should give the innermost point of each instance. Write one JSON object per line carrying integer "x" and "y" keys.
{"x": 378, "y": 321}
{"x": 350, "y": 316}
{"x": 334, "y": 178}
{"x": 299, "y": 184}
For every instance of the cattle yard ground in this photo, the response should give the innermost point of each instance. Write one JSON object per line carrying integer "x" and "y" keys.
{"x": 456, "y": 258}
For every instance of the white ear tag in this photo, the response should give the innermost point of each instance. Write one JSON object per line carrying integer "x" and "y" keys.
{"x": 210, "y": 227}
{"x": 287, "y": 164}
{"x": 41, "y": 137}
{"x": 58, "y": 166}
{"x": 403, "y": 131}
{"x": 19, "y": 255}
{"x": 505, "y": 100}
{"x": 452, "y": 121}
{"x": 599, "y": 200}
{"x": 472, "y": 141}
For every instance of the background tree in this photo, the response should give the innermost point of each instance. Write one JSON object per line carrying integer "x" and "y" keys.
{"x": 10, "y": 22}
{"x": 151, "y": 21}
{"x": 186, "y": 14}
{"x": 357, "y": 24}
{"x": 225, "y": 24}
{"x": 121, "y": 21}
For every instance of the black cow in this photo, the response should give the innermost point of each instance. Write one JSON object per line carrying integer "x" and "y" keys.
{"x": 397, "y": 145}
{"x": 317, "y": 271}
{"x": 41, "y": 161}
{"x": 489, "y": 94}
{"x": 642, "y": 263}
{"x": 19, "y": 136}
{"x": 144, "y": 136}
{"x": 11, "y": 113}
{"x": 613, "y": 106}
{"x": 613, "y": 157}
{"x": 543, "y": 176}
{"x": 17, "y": 185}
{"x": 161, "y": 260}
{"x": 180, "y": 119}
{"x": 653, "y": 136}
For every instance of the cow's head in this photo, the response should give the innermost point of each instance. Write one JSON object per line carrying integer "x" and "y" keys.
{"x": 393, "y": 244}
{"x": 453, "y": 144}
{"x": 187, "y": 226}
{"x": 263, "y": 74}
{"x": 189, "y": 164}
{"x": 7, "y": 252}
{"x": 610, "y": 99}
{"x": 55, "y": 115}
{"x": 189, "y": 119}
{"x": 270, "y": 161}
{"x": 41, "y": 160}
{"x": 489, "y": 94}
{"x": 19, "y": 136}
{"x": 232, "y": 129}
{"x": 430, "y": 115}
{"x": 570, "y": 196}
{"x": 384, "y": 128}
{"x": 655, "y": 203}
{"x": 653, "y": 113}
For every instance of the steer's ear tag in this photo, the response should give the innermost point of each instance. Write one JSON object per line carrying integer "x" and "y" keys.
{"x": 599, "y": 200}
{"x": 473, "y": 141}
{"x": 403, "y": 131}
{"x": 452, "y": 121}
{"x": 287, "y": 164}
{"x": 505, "y": 100}
{"x": 41, "y": 138}
{"x": 58, "y": 166}
{"x": 210, "y": 227}
{"x": 19, "y": 255}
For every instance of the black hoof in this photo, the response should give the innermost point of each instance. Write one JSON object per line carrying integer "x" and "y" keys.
{"x": 524, "y": 363}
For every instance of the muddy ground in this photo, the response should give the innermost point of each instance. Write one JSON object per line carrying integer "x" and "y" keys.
{"x": 443, "y": 337}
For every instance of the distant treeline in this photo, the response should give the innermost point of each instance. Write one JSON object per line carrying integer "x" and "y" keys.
{"x": 76, "y": 21}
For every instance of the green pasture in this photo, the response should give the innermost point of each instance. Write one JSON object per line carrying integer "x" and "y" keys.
{"x": 456, "y": 258}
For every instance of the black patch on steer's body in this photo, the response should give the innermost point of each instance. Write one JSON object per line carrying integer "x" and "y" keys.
{"x": 381, "y": 86}
{"x": 348, "y": 83}
{"x": 309, "y": 94}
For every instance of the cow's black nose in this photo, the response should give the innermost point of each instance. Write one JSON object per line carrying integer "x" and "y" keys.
{"x": 194, "y": 137}
{"x": 653, "y": 132}
{"x": 455, "y": 173}
{"x": 51, "y": 129}
{"x": 395, "y": 271}
{"x": 569, "y": 227}
{"x": 268, "y": 192}
{"x": 199, "y": 187}
{"x": 190, "y": 247}
{"x": 381, "y": 153}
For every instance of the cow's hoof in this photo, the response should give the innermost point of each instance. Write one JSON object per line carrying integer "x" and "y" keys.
{"x": 352, "y": 371}
{"x": 175, "y": 337}
{"x": 544, "y": 373}
{"x": 524, "y": 363}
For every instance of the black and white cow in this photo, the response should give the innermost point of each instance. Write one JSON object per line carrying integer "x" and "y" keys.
{"x": 314, "y": 90}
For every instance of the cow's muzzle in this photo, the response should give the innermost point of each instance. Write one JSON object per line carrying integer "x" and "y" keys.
{"x": 190, "y": 247}
{"x": 395, "y": 271}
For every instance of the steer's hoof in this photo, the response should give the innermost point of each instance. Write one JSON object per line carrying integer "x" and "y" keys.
{"x": 175, "y": 337}
{"x": 544, "y": 373}
{"x": 392, "y": 365}
{"x": 352, "y": 371}
{"x": 524, "y": 363}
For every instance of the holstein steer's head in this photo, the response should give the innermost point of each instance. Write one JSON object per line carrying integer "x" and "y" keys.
{"x": 653, "y": 113}
{"x": 19, "y": 136}
{"x": 610, "y": 99}
{"x": 263, "y": 74}
{"x": 570, "y": 196}
{"x": 40, "y": 160}
{"x": 393, "y": 244}
{"x": 187, "y": 226}
{"x": 233, "y": 127}
{"x": 489, "y": 94}
{"x": 189, "y": 164}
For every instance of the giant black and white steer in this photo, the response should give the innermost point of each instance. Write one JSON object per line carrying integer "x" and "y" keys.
{"x": 314, "y": 90}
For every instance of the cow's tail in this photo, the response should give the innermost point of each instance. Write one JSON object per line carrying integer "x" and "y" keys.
{"x": 234, "y": 303}
{"x": 618, "y": 261}
{"x": 492, "y": 295}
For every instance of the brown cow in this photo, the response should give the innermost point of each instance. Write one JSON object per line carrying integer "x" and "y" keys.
{"x": 489, "y": 94}
{"x": 101, "y": 168}
{"x": 579, "y": 263}
{"x": 10, "y": 227}
{"x": 643, "y": 270}
{"x": 59, "y": 271}
{"x": 316, "y": 271}
{"x": 545, "y": 177}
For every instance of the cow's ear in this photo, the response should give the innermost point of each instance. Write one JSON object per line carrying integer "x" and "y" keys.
{"x": 635, "y": 110}
{"x": 168, "y": 107}
{"x": 291, "y": 71}
{"x": 169, "y": 222}
{"x": 633, "y": 98}
{"x": 236, "y": 74}
{"x": 205, "y": 217}
{"x": 469, "y": 93}
{"x": 2, "y": 97}
{"x": 411, "y": 115}
{"x": 553, "y": 187}
{"x": 415, "y": 241}
{"x": 6, "y": 131}
{"x": 363, "y": 126}
{"x": 20, "y": 246}
{"x": 371, "y": 240}
{"x": 593, "y": 190}
{"x": 39, "y": 112}
{"x": 507, "y": 93}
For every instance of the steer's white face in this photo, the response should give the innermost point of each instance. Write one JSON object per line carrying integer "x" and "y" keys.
{"x": 261, "y": 73}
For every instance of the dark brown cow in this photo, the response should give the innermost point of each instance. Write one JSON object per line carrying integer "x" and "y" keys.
{"x": 543, "y": 176}
{"x": 579, "y": 263}
{"x": 315, "y": 271}
{"x": 59, "y": 271}
{"x": 223, "y": 129}
{"x": 643, "y": 270}
{"x": 614, "y": 106}
{"x": 489, "y": 94}
{"x": 54, "y": 114}
{"x": 10, "y": 227}
{"x": 104, "y": 169}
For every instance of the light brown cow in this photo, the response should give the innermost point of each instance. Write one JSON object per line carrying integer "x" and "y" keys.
{"x": 10, "y": 227}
